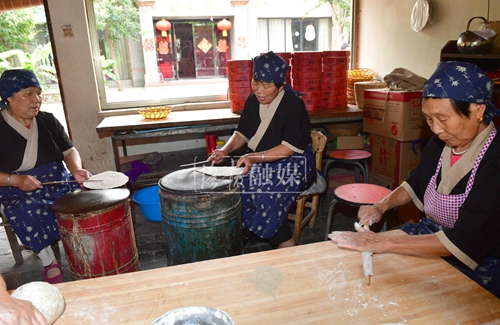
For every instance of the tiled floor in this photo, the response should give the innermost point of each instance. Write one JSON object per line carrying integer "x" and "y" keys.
{"x": 151, "y": 245}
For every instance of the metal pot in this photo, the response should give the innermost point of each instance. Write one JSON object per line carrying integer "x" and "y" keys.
{"x": 477, "y": 42}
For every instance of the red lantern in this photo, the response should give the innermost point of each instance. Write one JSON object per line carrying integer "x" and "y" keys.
{"x": 224, "y": 25}
{"x": 164, "y": 26}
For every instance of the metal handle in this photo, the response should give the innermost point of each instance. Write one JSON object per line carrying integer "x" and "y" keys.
{"x": 470, "y": 20}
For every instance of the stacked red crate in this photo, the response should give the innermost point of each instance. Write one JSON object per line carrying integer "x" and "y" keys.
{"x": 334, "y": 83}
{"x": 307, "y": 76}
{"x": 239, "y": 74}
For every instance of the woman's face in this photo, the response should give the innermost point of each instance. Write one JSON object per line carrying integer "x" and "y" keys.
{"x": 25, "y": 104}
{"x": 266, "y": 92}
{"x": 455, "y": 130}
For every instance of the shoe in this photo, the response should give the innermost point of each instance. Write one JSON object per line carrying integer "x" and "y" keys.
{"x": 56, "y": 279}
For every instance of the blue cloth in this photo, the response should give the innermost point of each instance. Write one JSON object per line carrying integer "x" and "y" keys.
{"x": 15, "y": 80}
{"x": 270, "y": 189}
{"x": 487, "y": 274}
{"x": 270, "y": 67}
{"x": 30, "y": 213}
{"x": 462, "y": 81}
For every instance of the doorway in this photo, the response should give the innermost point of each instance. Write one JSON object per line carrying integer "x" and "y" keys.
{"x": 198, "y": 50}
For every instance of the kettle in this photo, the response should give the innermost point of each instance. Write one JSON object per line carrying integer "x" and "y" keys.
{"x": 477, "y": 42}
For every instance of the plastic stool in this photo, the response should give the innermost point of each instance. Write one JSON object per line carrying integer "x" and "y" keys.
{"x": 356, "y": 194}
{"x": 359, "y": 158}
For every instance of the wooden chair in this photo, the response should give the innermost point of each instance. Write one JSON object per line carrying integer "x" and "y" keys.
{"x": 311, "y": 202}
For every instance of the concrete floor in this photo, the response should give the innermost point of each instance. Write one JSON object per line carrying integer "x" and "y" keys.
{"x": 151, "y": 245}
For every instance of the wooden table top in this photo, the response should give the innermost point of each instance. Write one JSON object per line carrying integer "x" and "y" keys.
{"x": 201, "y": 117}
{"x": 309, "y": 284}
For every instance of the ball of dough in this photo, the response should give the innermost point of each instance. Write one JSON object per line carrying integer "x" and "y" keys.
{"x": 44, "y": 296}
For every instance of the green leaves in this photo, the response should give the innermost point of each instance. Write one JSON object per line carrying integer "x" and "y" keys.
{"x": 35, "y": 62}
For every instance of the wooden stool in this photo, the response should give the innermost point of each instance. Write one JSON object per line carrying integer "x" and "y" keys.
{"x": 356, "y": 194}
{"x": 359, "y": 158}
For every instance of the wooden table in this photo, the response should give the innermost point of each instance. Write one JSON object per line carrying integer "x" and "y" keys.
{"x": 309, "y": 284}
{"x": 134, "y": 126}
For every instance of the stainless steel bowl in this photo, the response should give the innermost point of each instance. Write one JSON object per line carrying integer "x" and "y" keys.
{"x": 194, "y": 316}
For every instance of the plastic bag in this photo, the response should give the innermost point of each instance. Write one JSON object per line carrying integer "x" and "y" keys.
{"x": 420, "y": 15}
{"x": 403, "y": 79}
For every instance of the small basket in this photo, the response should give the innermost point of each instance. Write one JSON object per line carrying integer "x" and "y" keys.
{"x": 359, "y": 90}
{"x": 344, "y": 129}
{"x": 155, "y": 112}
{"x": 357, "y": 75}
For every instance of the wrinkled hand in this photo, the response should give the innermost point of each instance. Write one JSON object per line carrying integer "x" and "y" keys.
{"x": 26, "y": 183}
{"x": 369, "y": 214}
{"x": 19, "y": 312}
{"x": 217, "y": 156}
{"x": 82, "y": 174}
{"x": 361, "y": 241}
{"x": 246, "y": 160}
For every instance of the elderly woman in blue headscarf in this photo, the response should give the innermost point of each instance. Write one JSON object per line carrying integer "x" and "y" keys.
{"x": 276, "y": 128}
{"x": 33, "y": 147}
{"x": 456, "y": 183}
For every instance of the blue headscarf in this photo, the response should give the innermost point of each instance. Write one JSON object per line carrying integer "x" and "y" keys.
{"x": 12, "y": 81}
{"x": 462, "y": 81}
{"x": 270, "y": 67}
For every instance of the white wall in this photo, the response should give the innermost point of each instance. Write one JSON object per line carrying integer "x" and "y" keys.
{"x": 78, "y": 84}
{"x": 387, "y": 41}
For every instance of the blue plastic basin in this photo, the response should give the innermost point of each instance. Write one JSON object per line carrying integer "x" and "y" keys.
{"x": 148, "y": 200}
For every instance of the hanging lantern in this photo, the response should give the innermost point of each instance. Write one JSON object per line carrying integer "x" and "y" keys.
{"x": 164, "y": 26}
{"x": 224, "y": 25}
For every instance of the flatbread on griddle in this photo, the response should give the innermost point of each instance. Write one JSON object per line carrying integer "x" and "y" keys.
{"x": 109, "y": 179}
{"x": 221, "y": 171}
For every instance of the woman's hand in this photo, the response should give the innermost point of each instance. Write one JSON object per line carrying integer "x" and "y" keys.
{"x": 17, "y": 312}
{"x": 81, "y": 174}
{"x": 26, "y": 183}
{"x": 218, "y": 155}
{"x": 369, "y": 214}
{"x": 362, "y": 241}
{"x": 248, "y": 160}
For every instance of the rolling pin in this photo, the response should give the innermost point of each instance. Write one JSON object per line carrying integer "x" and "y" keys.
{"x": 367, "y": 258}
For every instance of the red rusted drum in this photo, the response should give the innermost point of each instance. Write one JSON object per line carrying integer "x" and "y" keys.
{"x": 97, "y": 232}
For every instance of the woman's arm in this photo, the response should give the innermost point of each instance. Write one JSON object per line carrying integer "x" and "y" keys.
{"x": 368, "y": 241}
{"x": 279, "y": 152}
{"x": 17, "y": 312}
{"x": 234, "y": 143}
{"x": 74, "y": 164}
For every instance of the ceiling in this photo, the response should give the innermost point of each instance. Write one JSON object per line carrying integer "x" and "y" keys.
{"x": 6, "y": 5}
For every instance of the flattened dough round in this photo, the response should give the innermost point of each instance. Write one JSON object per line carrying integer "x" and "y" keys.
{"x": 221, "y": 171}
{"x": 108, "y": 179}
{"x": 44, "y": 296}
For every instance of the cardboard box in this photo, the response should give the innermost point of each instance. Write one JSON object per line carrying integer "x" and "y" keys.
{"x": 374, "y": 178}
{"x": 337, "y": 180}
{"x": 348, "y": 142}
{"x": 395, "y": 115}
{"x": 393, "y": 159}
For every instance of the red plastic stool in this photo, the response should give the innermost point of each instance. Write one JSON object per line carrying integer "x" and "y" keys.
{"x": 359, "y": 158}
{"x": 356, "y": 194}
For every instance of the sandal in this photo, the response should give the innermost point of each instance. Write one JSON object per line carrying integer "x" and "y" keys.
{"x": 56, "y": 279}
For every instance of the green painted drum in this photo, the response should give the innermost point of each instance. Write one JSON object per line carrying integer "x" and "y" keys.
{"x": 201, "y": 216}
